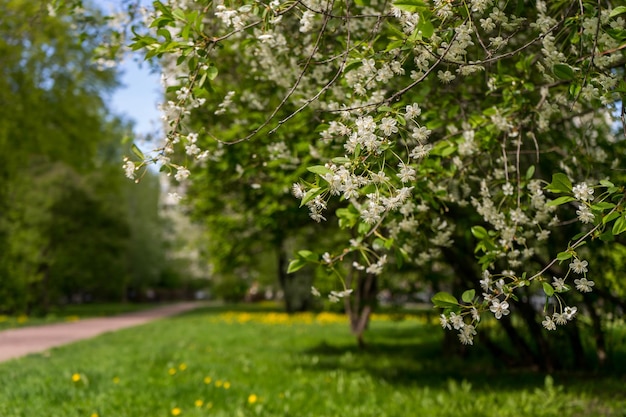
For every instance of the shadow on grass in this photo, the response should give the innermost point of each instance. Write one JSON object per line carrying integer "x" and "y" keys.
{"x": 414, "y": 356}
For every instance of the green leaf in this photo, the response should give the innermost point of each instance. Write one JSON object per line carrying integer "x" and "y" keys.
{"x": 425, "y": 26}
{"x": 563, "y": 72}
{"x": 610, "y": 217}
{"x": 137, "y": 152}
{"x": 212, "y": 72}
{"x": 363, "y": 228}
{"x": 320, "y": 170}
{"x": 602, "y": 205}
{"x": 479, "y": 232}
{"x": 353, "y": 65}
{"x": 308, "y": 255}
{"x": 412, "y": 6}
{"x": 548, "y": 289}
{"x": 574, "y": 90}
{"x": 341, "y": 160}
{"x": 444, "y": 300}
{"x": 607, "y": 183}
{"x": 468, "y": 296}
{"x": 607, "y": 236}
{"x": 295, "y": 265}
{"x": 561, "y": 200}
{"x": 530, "y": 172}
{"x": 443, "y": 148}
{"x": 348, "y": 217}
{"x": 165, "y": 33}
{"x": 617, "y": 34}
{"x": 310, "y": 195}
{"x": 562, "y": 256}
{"x": 179, "y": 14}
{"x": 202, "y": 80}
{"x": 620, "y": 225}
{"x": 560, "y": 184}
{"x": 617, "y": 11}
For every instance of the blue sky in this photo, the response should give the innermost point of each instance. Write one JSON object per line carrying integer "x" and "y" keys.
{"x": 138, "y": 96}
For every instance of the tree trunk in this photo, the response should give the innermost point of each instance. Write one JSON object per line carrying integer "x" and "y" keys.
{"x": 283, "y": 279}
{"x": 360, "y": 304}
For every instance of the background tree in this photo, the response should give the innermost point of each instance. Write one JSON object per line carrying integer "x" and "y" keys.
{"x": 71, "y": 227}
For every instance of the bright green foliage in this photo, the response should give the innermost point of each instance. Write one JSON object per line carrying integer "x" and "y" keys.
{"x": 70, "y": 225}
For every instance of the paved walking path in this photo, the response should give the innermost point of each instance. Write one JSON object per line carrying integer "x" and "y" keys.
{"x": 15, "y": 343}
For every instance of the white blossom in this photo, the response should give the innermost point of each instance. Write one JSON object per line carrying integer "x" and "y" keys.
{"x": 584, "y": 214}
{"x": 583, "y": 192}
{"x": 578, "y": 266}
{"x": 548, "y": 323}
{"x": 499, "y": 308}
{"x": 181, "y": 174}
{"x": 129, "y": 168}
{"x": 584, "y": 285}
{"x": 559, "y": 284}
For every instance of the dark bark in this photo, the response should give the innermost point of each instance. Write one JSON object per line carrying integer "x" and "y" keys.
{"x": 283, "y": 279}
{"x": 360, "y": 304}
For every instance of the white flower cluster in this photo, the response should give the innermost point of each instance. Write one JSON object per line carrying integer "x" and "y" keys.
{"x": 466, "y": 331}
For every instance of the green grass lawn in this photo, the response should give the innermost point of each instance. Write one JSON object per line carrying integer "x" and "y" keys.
{"x": 213, "y": 363}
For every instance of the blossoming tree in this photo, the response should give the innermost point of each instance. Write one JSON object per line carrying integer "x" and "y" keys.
{"x": 479, "y": 135}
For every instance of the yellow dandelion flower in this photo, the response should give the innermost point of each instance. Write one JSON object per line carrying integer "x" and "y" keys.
{"x": 199, "y": 403}
{"x": 207, "y": 380}
{"x": 218, "y": 383}
{"x": 76, "y": 377}
{"x": 176, "y": 411}
{"x": 172, "y": 371}
{"x": 116, "y": 380}
{"x": 252, "y": 398}
{"x": 226, "y": 385}
{"x": 182, "y": 366}
{"x": 94, "y": 415}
